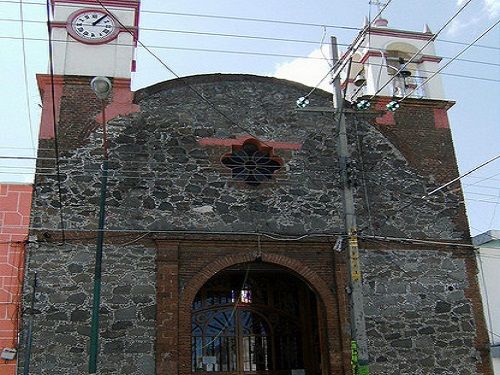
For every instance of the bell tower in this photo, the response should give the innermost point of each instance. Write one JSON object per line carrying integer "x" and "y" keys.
{"x": 384, "y": 51}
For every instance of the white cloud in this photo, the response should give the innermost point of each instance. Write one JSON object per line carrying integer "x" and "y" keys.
{"x": 456, "y": 26}
{"x": 492, "y": 7}
{"x": 307, "y": 71}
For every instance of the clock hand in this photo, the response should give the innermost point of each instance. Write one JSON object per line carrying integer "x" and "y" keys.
{"x": 99, "y": 20}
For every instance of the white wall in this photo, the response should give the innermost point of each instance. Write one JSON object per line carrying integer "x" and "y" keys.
{"x": 489, "y": 281}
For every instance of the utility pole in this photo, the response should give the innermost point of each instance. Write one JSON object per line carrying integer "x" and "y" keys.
{"x": 359, "y": 343}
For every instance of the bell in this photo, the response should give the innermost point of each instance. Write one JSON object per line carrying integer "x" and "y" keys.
{"x": 360, "y": 80}
{"x": 403, "y": 73}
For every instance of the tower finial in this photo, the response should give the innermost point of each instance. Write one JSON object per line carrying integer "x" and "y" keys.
{"x": 379, "y": 4}
{"x": 427, "y": 29}
{"x": 380, "y": 21}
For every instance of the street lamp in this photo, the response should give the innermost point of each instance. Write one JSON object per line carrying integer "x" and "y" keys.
{"x": 102, "y": 87}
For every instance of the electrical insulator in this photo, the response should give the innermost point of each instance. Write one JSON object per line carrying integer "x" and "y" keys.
{"x": 393, "y": 106}
{"x": 302, "y": 102}
{"x": 362, "y": 105}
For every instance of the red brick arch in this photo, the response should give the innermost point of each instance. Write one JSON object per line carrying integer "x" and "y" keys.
{"x": 224, "y": 262}
{"x": 326, "y": 298}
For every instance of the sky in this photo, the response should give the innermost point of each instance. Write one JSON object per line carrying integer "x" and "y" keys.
{"x": 177, "y": 34}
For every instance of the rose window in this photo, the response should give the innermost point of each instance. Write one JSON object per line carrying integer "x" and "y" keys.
{"x": 251, "y": 164}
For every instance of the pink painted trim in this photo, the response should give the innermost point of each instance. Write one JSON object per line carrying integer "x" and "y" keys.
{"x": 122, "y": 102}
{"x": 229, "y": 142}
{"x": 430, "y": 58}
{"x": 63, "y": 25}
{"x": 381, "y": 22}
{"x": 47, "y": 121}
{"x": 346, "y": 82}
{"x": 441, "y": 119}
{"x": 136, "y": 23}
{"x": 118, "y": 3}
{"x": 388, "y": 117}
{"x": 369, "y": 54}
{"x": 401, "y": 34}
{"x": 373, "y": 53}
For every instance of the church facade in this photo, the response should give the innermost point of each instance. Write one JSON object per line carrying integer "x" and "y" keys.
{"x": 224, "y": 246}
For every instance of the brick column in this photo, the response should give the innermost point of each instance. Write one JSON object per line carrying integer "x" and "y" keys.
{"x": 15, "y": 206}
{"x": 167, "y": 312}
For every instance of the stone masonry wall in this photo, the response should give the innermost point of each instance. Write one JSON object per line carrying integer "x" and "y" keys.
{"x": 166, "y": 175}
{"x": 419, "y": 313}
{"x": 166, "y": 179}
{"x": 63, "y": 307}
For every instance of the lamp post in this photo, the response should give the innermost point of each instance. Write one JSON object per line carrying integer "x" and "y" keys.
{"x": 102, "y": 88}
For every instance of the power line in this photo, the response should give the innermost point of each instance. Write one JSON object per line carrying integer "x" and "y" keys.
{"x": 337, "y": 67}
{"x": 482, "y": 194}
{"x": 54, "y": 121}
{"x": 138, "y": 163}
{"x": 264, "y": 38}
{"x": 274, "y": 235}
{"x": 449, "y": 62}
{"x": 480, "y": 201}
{"x": 462, "y": 176}
{"x": 410, "y": 60}
{"x": 219, "y": 17}
{"x": 312, "y": 24}
{"x": 25, "y": 76}
{"x": 482, "y": 178}
{"x": 482, "y": 186}
{"x": 196, "y": 92}
{"x": 250, "y": 53}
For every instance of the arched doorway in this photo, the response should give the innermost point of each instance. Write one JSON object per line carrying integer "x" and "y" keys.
{"x": 255, "y": 318}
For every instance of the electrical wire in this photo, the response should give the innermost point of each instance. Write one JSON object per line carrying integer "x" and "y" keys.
{"x": 312, "y": 24}
{"x": 482, "y": 194}
{"x": 190, "y": 87}
{"x": 257, "y": 37}
{"x": 441, "y": 187}
{"x": 266, "y": 54}
{"x": 431, "y": 40}
{"x": 25, "y": 76}
{"x": 351, "y": 49}
{"x": 449, "y": 62}
{"x": 272, "y": 235}
{"x": 219, "y": 17}
{"x": 54, "y": 124}
{"x": 462, "y": 176}
{"x": 480, "y": 201}
{"x": 493, "y": 214}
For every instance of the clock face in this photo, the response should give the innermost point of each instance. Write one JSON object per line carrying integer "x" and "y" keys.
{"x": 92, "y": 26}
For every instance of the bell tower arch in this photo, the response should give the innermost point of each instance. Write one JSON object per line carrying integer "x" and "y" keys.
{"x": 384, "y": 51}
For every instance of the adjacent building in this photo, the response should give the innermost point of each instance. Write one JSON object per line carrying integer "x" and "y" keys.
{"x": 15, "y": 207}
{"x": 488, "y": 258}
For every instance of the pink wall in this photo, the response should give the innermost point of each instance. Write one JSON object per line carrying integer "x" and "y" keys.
{"x": 15, "y": 206}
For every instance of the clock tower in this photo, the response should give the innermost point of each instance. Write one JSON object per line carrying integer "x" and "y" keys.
{"x": 89, "y": 38}
{"x": 94, "y": 37}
